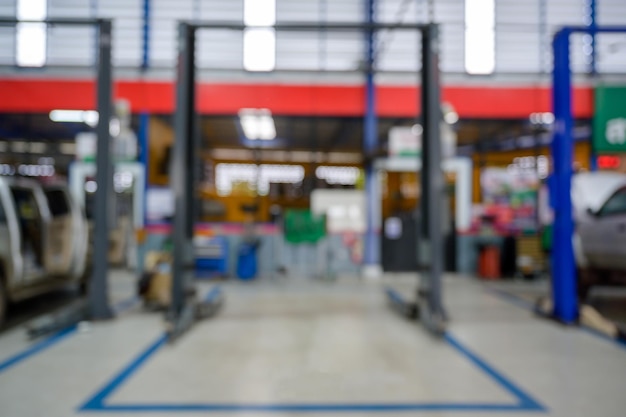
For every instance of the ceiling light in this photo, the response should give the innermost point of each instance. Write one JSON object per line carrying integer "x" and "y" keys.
{"x": 480, "y": 36}
{"x": 19, "y": 146}
{"x": 259, "y": 12}
{"x": 38, "y": 147}
{"x": 67, "y": 148}
{"x": 417, "y": 129}
{"x": 89, "y": 117}
{"x": 451, "y": 117}
{"x": 257, "y": 124}
{"x": 259, "y": 49}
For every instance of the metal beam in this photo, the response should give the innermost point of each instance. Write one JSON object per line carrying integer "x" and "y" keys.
{"x": 182, "y": 177}
{"x": 371, "y": 255}
{"x": 310, "y": 27}
{"x": 9, "y": 21}
{"x": 432, "y": 183}
{"x": 98, "y": 290}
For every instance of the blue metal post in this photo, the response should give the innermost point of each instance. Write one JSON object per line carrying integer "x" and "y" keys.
{"x": 371, "y": 254}
{"x": 564, "y": 292}
{"x": 144, "y": 117}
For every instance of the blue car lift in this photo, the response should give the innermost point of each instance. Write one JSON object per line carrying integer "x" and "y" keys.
{"x": 564, "y": 294}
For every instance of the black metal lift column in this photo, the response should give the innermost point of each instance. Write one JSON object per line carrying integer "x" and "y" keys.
{"x": 98, "y": 306}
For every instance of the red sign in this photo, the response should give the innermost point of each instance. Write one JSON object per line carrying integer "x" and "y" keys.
{"x": 609, "y": 162}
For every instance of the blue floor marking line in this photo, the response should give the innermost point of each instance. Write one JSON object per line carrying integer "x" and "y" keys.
{"x": 512, "y": 299}
{"x": 525, "y": 400}
{"x": 526, "y": 305}
{"x": 97, "y": 403}
{"x": 309, "y": 408}
{"x": 37, "y": 348}
{"x": 215, "y": 292}
{"x": 619, "y": 342}
{"x": 395, "y": 296}
{"x": 55, "y": 338}
{"x": 124, "y": 305}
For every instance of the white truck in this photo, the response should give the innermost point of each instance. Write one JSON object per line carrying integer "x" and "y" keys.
{"x": 43, "y": 240}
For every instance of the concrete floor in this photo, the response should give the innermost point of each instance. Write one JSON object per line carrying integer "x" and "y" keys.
{"x": 294, "y": 346}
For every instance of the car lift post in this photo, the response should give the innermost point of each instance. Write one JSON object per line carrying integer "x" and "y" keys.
{"x": 100, "y": 308}
{"x": 432, "y": 183}
{"x": 97, "y": 306}
{"x": 183, "y": 180}
{"x": 184, "y": 312}
{"x": 564, "y": 291}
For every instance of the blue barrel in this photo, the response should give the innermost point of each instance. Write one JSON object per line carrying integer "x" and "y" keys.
{"x": 246, "y": 261}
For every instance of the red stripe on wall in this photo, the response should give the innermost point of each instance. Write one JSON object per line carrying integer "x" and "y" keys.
{"x": 40, "y": 96}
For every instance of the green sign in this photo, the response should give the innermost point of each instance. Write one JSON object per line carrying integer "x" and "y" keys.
{"x": 301, "y": 226}
{"x": 609, "y": 122}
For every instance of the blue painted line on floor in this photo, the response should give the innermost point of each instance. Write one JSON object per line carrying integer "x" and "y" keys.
{"x": 310, "y": 408}
{"x": 526, "y": 305}
{"x": 37, "y": 348}
{"x": 213, "y": 294}
{"x": 97, "y": 403}
{"x": 55, "y": 338}
{"x": 512, "y": 299}
{"x": 395, "y": 296}
{"x": 620, "y": 343}
{"x": 525, "y": 400}
{"x": 125, "y": 305}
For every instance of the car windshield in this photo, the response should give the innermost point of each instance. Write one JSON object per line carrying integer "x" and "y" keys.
{"x": 616, "y": 204}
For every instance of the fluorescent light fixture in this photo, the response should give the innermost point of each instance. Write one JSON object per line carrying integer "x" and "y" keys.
{"x": 338, "y": 174}
{"x": 541, "y": 118}
{"x": 38, "y": 147}
{"x": 31, "y": 44}
{"x": 89, "y": 117}
{"x": 91, "y": 186}
{"x": 259, "y": 12}
{"x": 344, "y": 158}
{"x": 261, "y": 176}
{"x": 259, "y": 43}
{"x": 31, "y": 37}
{"x": 6, "y": 169}
{"x": 451, "y": 117}
{"x": 259, "y": 49}
{"x": 19, "y": 146}
{"x": 68, "y": 148}
{"x": 257, "y": 124}
{"x": 31, "y": 170}
{"x": 32, "y": 9}
{"x": 480, "y": 53}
